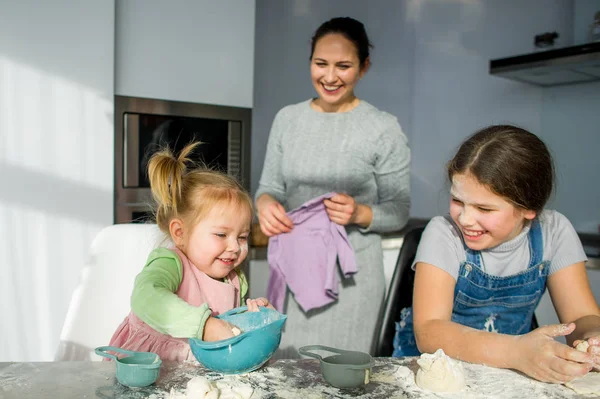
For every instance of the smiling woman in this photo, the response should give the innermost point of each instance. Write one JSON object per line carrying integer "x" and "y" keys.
{"x": 338, "y": 143}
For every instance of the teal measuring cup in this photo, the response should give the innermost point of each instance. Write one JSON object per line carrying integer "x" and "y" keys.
{"x": 137, "y": 369}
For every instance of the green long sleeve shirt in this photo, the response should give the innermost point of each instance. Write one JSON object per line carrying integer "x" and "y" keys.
{"x": 154, "y": 300}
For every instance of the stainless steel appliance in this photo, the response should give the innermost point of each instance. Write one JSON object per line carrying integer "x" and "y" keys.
{"x": 143, "y": 126}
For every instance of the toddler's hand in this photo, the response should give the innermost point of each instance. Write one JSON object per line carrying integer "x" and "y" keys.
{"x": 547, "y": 360}
{"x": 217, "y": 330}
{"x": 253, "y": 304}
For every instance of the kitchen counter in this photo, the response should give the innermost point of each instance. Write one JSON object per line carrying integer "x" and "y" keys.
{"x": 390, "y": 378}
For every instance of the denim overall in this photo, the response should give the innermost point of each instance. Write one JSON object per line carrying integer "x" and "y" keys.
{"x": 496, "y": 304}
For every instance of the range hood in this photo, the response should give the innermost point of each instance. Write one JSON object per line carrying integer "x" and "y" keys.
{"x": 567, "y": 65}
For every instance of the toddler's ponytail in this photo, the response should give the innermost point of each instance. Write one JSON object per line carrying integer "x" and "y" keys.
{"x": 165, "y": 172}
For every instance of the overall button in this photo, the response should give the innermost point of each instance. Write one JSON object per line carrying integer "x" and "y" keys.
{"x": 467, "y": 269}
{"x": 541, "y": 267}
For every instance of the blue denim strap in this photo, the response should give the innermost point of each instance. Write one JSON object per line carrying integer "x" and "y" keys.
{"x": 536, "y": 243}
{"x": 473, "y": 256}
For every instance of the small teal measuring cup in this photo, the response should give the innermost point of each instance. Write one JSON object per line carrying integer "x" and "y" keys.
{"x": 137, "y": 369}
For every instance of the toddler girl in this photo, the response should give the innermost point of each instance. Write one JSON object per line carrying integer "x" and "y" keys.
{"x": 207, "y": 214}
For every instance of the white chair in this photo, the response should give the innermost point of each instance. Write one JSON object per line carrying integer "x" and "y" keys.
{"x": 101, "y": 301}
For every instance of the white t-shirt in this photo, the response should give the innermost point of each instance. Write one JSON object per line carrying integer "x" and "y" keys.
{"x": 442, "y": 246}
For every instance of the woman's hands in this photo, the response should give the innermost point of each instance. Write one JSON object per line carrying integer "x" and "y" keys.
{"x": 538, "y": 355}
{"x": 344, "y": 210}
{"x": 272, "y": 217}
{"x": 253, "y": 304}
{"x": 341, "y": 209}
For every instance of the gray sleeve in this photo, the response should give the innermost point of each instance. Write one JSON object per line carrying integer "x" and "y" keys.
{"x": 271, "y": 180}
{"x": 441, "y": 246}
{"x": 564, "y": 247}
{"x": 392, "y": 177}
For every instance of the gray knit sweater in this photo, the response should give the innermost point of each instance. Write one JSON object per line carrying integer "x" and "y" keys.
{"x": 363, "y": 153}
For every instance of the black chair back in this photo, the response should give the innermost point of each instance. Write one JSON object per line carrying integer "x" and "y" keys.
{"x": 399, "y": 293}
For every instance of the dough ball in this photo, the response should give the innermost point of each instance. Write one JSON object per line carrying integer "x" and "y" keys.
{"x": 582, "y": 346}
{"x": 198, "y": 388}
{"x": 440, "y": 373}
{"x": 234, "y": 390}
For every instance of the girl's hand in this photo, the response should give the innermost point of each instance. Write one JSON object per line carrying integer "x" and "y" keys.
{"x": 593, "y": 348}
{"x": 217, "y": 330}
{"x": 541, "y": 357}
{"x": 272, "y": 217}
{"x": 253, "y": 304}
{"x": 344, "y": 210}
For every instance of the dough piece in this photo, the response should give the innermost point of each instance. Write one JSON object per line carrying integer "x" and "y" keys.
{"x": 236, "y": 331}
{"x": 440, "y": 373}
{"x": 234, "y": 390}
{"x": 582, "y": 346}
{"x": 589, "y": 384}
{"x": 201, "y": 388}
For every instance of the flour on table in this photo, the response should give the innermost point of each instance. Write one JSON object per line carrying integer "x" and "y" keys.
{"x": 403, "y": 373}
{"x": 202, "y": 388}
{"x": 589, "y": 384}
{"x": 440, "y": 373}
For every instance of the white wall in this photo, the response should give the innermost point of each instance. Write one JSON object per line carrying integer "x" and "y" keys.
{"x": 454, "y": 93}
{"x": 571, "y": 126}
{"x": 56, "y": 161}
{"x": 198, "y": 51}
{"x": 583, "y": 18}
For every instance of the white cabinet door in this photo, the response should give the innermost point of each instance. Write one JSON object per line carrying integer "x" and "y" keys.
{"x": 198, "y": 51}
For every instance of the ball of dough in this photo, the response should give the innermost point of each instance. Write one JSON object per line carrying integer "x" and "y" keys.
{"x": 198, "y": 387}
{"x": 582, "y": 346}
{"x": 440, "y": 373}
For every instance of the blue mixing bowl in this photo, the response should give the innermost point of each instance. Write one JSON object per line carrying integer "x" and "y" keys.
{"x": 260, "y": 337}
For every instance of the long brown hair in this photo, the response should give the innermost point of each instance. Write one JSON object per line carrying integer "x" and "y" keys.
{"x": 512, "y": 162}
{"x": 189, "y": 193}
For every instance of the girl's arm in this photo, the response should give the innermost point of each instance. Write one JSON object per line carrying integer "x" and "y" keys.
{"x": 433, "y": 300}
{"x": 154, "y": 300}
{"x": 574, "y": 302}
{"x": 536, "y": 354}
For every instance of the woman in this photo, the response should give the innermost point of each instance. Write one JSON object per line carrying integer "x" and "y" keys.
{"x": 337, "y": 142}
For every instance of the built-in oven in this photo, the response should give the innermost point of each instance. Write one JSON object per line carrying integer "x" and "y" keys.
{"x": 144, "y": 126}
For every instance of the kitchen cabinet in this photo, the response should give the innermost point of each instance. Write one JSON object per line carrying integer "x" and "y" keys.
{"x": 194, "y": 51}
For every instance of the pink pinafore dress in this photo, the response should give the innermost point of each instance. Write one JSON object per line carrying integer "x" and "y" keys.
{"x": 196, "y": 288}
